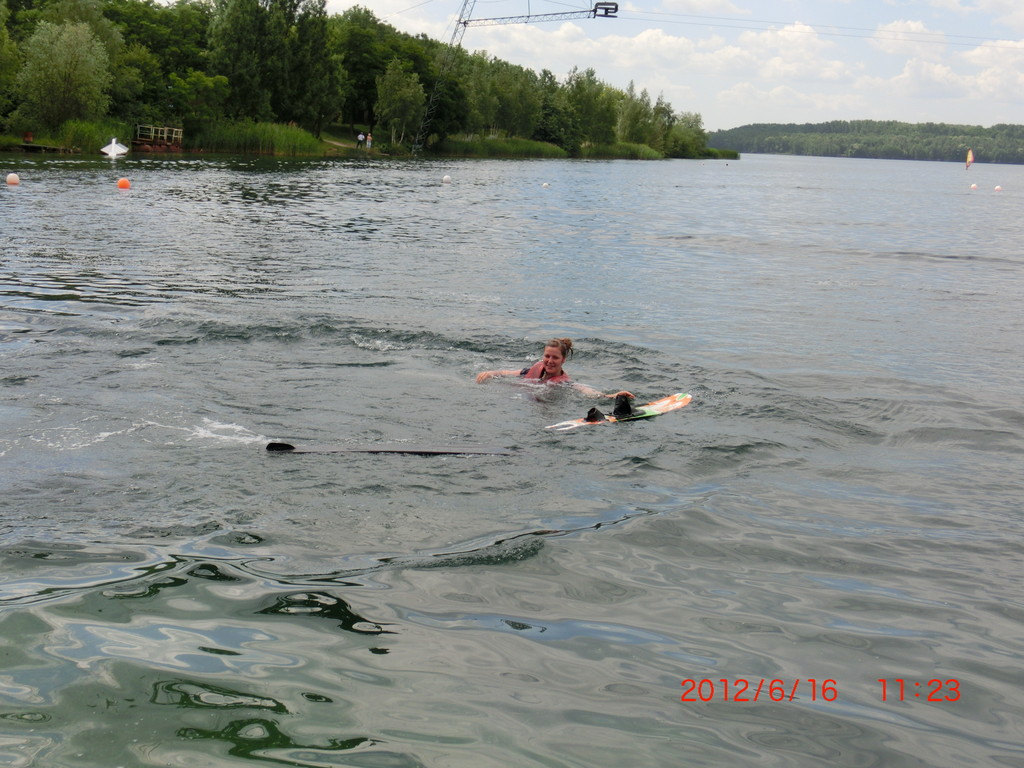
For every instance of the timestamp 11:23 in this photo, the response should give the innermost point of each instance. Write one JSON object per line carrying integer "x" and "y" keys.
{"x": 897, "y": 689}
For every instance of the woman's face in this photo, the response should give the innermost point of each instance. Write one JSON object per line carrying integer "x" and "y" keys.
{"x": 553, "y": 359}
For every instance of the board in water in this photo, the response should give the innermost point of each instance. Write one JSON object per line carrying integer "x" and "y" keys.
{"x": 416, "y": 450}
{"x": 624, "y": 412}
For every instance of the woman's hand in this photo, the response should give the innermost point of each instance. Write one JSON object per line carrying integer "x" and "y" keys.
{"x": 630, "y": 395}
{"x": 482, "y": 377}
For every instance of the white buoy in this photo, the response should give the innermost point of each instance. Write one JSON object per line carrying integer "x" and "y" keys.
{"x": 974, "y": 186}
{"x": 13, "y": 180}
{"x": 114, "y": 149}
{"x": 998, "y": 188}
{"x": 447, "y": 179}
{"x": 545, "y": 185}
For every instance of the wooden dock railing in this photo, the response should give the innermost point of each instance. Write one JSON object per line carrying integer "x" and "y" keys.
{"x": 155, "y": 134}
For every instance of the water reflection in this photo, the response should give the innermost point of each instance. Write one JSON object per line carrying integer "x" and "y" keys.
{"x": 185, "y": 693}
{"x": 323, "y": 606}
{"x": 263, "y": 740}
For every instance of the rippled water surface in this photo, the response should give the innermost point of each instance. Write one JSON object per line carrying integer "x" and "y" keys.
{"x": 839, "y": 506}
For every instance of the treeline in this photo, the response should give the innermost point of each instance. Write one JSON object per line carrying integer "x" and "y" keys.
{"x": 882, "y": 139}
{"x": 198, "y": 62}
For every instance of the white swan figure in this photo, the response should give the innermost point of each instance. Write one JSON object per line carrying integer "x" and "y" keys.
{"x": 114, "y": 149}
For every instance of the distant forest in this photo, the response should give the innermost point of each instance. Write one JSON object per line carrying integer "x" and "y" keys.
{"x": 882, "y": 139}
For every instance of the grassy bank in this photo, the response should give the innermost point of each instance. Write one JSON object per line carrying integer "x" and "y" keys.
{"x": 90, "y": 136}
{"x": 247, "y": 138}
{"x": 453, "y": 147}
{"x": 229, "y": 137}
{"x": 75, "y": 135}
{"x": 620, "y": 151}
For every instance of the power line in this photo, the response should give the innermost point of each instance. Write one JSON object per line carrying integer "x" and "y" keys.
{"x": 908, "y": 36}
{"x": 767, "y": 25}
{"x": 406, "y": 10}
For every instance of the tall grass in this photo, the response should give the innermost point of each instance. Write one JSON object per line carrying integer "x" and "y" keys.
{"x": 477, "y": 147}
{"x": 620, "y": 151}
{"x": 247, "y": 138}
{"x": 91, "y": 135}
{"x": 10, "y": 143}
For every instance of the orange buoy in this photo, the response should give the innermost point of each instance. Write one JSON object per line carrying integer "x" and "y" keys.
{"x": 124, "y": 184}
{"x": 13, "y": 180}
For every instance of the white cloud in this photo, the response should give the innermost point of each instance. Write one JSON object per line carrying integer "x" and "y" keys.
{"x": 909, "y": 38}
{"x": 729, "y": 59}
{"x": 1001, "y": 86}
{"x": 1007, "y": 12}
{"x": 703, "y": 7}
{"x": 714, "y": 42}
{"x": 791, "y": 52}
{"x": 1001, "y": 75}
{"x": 918, "y": 80}
{"x": 797, "y": 38}
{"x": 646, "y": 55}
{"x": 784, "y": 103}
{"x": 649, "y": 51}
{"x": 1003, "y": 54}
{"x": 950, "y": 5}
{"x": 931, "y": 80}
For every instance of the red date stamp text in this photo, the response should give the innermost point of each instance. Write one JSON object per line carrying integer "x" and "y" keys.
{"x": 815, "y": 689}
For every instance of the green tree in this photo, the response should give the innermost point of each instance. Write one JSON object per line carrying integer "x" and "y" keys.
{"x": 22, "y": 20}
{"x": 237, "y": 51}
{"x": 636, "y": 123}
{"x": 277, "y": 70}
{"x": 558, "y": 124}
{"x": 400, "y": 100}
{"x": 8, "y": 62}
{"x": 176, "y": 34}
{"x": 451, "y": 110}
{"x": 686, "y": 138}
{"x": 138, "y": 86}
{"x": 482, "y": 99}
{"x": 360, "y": 37}
{"x": 316, "y": 70}
{"x": 88, "y": 12}
{"x": 66, "y": 75}
{"x": 519, "y": 99}
{"x": 197, "y": 96}
{"x": 595, "y": 105}
{"x": 663, "y": 119}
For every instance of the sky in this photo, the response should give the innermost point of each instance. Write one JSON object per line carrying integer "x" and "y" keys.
{"x": 736, "y": 62}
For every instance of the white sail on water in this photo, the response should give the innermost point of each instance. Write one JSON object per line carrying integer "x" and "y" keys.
{"x": 114, "y": 148}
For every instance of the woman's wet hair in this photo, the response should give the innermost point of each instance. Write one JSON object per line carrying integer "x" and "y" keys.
{"x": 565, "y": 345}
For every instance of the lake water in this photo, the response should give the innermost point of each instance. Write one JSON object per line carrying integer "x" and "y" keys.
{"x": 840, "y": 505}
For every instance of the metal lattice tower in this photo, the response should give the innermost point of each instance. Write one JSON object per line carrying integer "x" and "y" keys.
{"x": 601, "y": 9}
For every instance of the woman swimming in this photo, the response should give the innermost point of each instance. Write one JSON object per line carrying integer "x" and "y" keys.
{"x": 550, "y": 371}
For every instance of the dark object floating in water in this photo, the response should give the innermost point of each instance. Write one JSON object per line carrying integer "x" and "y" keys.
{"x": 417, "y": 450}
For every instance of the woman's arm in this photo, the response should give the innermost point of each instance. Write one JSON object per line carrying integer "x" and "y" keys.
{"x": 482, "y": 377}
{"x": 591, "y": 392}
